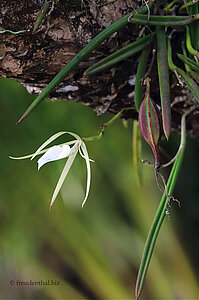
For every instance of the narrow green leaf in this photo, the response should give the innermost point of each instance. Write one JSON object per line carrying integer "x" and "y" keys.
{"x": 194, "y": 27}
{"x": 163, "y": 75}
{"x": 163, "y": 20}
{"x": 169, "y": 6}
{"x": 191, "y": 84}
{"x": 141, "y": 70}
{"x": 190, "y": 62}
{"x": 172, "y": 67}
{"x": 188, "y": 4}
{"x": 42, "y": 13}
{"x": 190, "y": 65}
{"x": 120, "y": 55}
{"x": 160, "y": 214}
{"x": 187, "y": 68}
{"x": 155, "y": 228}
{"x": 189, "y": 44}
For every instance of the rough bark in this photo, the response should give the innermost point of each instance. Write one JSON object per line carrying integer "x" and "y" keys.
{"x": 34, "y": 58}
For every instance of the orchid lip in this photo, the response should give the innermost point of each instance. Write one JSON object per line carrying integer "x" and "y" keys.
{"x": 54, "y": 153}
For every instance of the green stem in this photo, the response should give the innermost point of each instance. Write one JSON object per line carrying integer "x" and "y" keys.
{"x": 169, "y": 6}
{"x": 43, "y": 11}
{"x": 13, "y": 32}
{"x": 99, "y": 136}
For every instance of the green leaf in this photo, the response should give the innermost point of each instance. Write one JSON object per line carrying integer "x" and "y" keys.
{"x": 120, "y": 55}
{"x": 155, "y": 228}
{"x": 141, "y": 70}
{"x": 191, "y": 84}
{"x": 190, "y": 62}
{"x": 163, "y": 20}
{"x": 163, "y": 75}
{"x": 42, "y": 13}
{"x": 161, "y": 211}
{"x": 189, "y": 44}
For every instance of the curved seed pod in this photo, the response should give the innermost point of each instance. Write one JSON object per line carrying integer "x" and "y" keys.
{"x": 150, "y": 125}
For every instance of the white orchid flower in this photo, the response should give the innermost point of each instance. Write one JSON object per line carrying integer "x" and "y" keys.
{"x": 54, "y": 153}
{"x": 59, "y": 152}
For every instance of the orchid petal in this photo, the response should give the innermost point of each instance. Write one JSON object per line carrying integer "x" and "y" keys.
{"x": 65, "y": 171}
{"x": 54, "y": 153}
{"x": 85, "y": 153}
{"x": 40, "y": 152}
{"x": 82, "y": 155}
{"x": 51, "y": 139}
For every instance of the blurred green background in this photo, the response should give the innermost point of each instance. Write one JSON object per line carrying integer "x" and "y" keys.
{"x": 94, "y": 252}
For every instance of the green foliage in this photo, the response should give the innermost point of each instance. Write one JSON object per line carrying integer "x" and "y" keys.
{"x": 105, "y": 283}
{"x": 141, "y": 71}
{"x": 161, "y": 212}
{"x": 190, "y": 62}
{"x": 120, "y": 55}
{"x": 163, "y": 75}
{"x": 93, "y": 252}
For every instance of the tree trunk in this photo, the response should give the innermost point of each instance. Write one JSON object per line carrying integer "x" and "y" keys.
{"x": 33, "y": 58}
